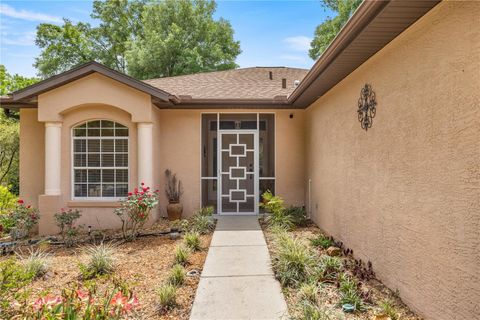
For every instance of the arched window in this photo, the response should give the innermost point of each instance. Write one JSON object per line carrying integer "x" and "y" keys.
{"x": 100, "y": 160}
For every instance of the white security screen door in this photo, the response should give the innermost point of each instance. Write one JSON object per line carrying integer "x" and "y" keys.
{"x": 237, "y": 172}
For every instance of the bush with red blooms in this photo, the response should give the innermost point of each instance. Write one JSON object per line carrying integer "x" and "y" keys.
{"x": 20, "y": 220}
{"x": 135, "y": 210}
{"x": 116, "y": 302}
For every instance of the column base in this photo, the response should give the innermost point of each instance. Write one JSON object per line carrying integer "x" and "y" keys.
{"x": 48, "y": 205}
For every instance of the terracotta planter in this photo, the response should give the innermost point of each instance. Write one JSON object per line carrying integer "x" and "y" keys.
{"x": 174, "y": 211}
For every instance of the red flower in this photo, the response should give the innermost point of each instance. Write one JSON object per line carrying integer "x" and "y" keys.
{"x": 20, "y": 201}
{"x": 129, "y": 193}
{"x": 142, "y": 184}
{"x": 29, "y": 206}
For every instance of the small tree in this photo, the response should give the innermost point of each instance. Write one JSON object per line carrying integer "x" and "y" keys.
{"x": 135, "y": 210}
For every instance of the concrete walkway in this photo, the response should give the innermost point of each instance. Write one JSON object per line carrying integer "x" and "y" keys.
{"x": 237, "y": 281}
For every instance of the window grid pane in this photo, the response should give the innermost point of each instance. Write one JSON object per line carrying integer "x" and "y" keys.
{"x": 100, "y": 160}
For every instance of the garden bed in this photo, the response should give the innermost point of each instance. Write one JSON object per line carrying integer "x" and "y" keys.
{"x": 377, "y": 301}
{"x": 143, "y": 265}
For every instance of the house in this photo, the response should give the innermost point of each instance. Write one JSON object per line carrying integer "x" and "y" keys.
{"x": 380, "y": 141}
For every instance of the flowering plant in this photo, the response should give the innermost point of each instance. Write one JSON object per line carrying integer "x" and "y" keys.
{"x": 82, "y": 303}
{"x": 66, "y": 222}
{"x": 135, "y": 210}
{"x": 21, "y": 219}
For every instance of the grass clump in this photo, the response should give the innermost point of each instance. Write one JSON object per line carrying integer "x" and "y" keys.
{"x": 321, "y": 241}
{"x": 101, "y": 260}
{"x": 167, "y": 295}
{"x": 293, "y": 261}
{"x": 181, "y": 255}
{"x": 311, "y": 311}
{"x": 329, "y": 267}
{"x": 206, "y": 211}
{"x": 349, "y": 293}
{"x": 192, "y": 241}
{"x": 388, "y": 308}
{"x": 35, "y": 263}
{"x": 176, "y": 276}
{"x": 308, "y": 292}
{"x": 202, "y": 224}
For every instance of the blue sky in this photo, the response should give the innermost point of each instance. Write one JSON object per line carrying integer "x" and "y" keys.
{"x": 271, "y": 33}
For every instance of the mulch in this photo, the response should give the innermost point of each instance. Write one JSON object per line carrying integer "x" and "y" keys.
{"x": 143, "y": 264}
{"x": 329, "y": 294}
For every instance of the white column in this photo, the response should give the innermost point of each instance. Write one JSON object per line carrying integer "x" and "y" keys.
{"x": 145, "y": 153}
{"x": 53, "y": 154}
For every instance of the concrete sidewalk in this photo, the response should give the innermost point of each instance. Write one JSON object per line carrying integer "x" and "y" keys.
{"x": 237, "y": 281}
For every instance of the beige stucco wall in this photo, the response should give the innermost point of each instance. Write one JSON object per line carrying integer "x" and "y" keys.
{"x": 32, "y": 156}
{"x": 406, "y": 194}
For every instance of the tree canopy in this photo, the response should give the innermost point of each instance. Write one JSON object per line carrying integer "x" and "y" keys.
{"x": 9, "y": 130}
{"x": 326, "y": 31}
{"x": 143, "y": 38}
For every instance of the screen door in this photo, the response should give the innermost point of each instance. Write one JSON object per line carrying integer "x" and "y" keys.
{"x": 238, "y": 172}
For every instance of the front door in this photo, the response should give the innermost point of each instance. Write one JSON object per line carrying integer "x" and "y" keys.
{"x": 237, "y": 172}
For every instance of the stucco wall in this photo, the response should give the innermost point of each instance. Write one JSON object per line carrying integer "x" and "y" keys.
{"x": 32, "y": 156}
{"x": 406, "y": 194}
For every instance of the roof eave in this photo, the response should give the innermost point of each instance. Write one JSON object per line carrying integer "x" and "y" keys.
{"x": 361, "y": 17}
{"x": 82, "y": 71}
{"x": 354, "y": 45}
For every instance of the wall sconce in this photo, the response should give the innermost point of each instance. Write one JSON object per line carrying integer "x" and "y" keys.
{"x": 366, "y": 107}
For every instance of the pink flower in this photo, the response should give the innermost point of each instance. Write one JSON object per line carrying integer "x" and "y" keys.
{"x": 142, "y": 184}
{"x": 82, "y": 295}
{"x": 49, "y": 302}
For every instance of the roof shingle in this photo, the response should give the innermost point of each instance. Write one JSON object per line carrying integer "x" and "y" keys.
{"x": 245, "y": 83}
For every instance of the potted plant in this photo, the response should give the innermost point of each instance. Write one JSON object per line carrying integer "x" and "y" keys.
{"x": 173, "y": 191}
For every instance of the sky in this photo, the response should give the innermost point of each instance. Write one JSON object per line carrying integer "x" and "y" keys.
{"x": 271, "y": 33}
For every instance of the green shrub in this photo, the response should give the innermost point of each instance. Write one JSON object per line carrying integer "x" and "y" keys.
{"x": 101, "y": 260}
{"x": 275, "y": 208}
{"x": 35, "y": 262}
{"x": 65, "y": 221}
{"x": 298, "y": 215}
{"x": 321, "y": 241}
{"x": 176, "y": 275}
{"x": 7, "y": 199}
{"x": 308, "y": 292}
{"x": 192, "y": 241}
{"x": 181, "y": 255}
{"x": 167, "y": 296}
{"x": 21, "y": 220}
{"x": 293, "y": 261}
{"x": 202, "y": 224}
{"x": 389, "y": 309}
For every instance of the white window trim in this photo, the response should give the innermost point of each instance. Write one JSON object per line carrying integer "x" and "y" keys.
{"x": 72, "y": 165}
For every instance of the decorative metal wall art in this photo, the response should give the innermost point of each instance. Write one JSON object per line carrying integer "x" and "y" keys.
{"x": 367, "y": 104}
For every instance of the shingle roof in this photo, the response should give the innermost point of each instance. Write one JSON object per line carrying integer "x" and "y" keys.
{"x": 246, "y": 83}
